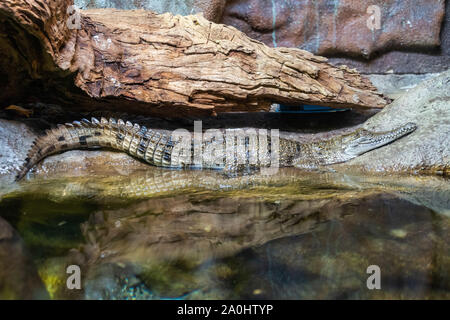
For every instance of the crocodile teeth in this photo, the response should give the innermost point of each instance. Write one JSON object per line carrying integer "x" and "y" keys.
{"x": 95, "y": 121}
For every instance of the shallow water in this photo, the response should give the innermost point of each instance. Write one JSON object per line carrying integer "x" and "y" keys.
{"x": 159, "y": 234}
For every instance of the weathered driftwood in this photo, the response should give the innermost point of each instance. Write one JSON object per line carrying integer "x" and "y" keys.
{"x": 138, "y": 61}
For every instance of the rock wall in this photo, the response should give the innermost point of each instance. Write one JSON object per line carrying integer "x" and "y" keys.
{"x": 338, "y": 27}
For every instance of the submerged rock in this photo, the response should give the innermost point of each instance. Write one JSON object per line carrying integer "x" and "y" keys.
{"x": 18, "y": 277}
{"x": 15, "y": 140}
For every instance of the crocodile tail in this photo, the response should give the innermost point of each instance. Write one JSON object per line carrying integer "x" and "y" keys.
{"x": 29, "y": 160}
{"x": 148, "y": 145}
{"x": 56, "y": 140}
{"x": 34, "y": 155}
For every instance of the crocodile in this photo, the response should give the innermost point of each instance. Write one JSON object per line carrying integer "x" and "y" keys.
{"x": 162, "y": 148}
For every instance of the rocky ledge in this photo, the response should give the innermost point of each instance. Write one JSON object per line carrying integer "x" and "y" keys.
{"x": 425, "y": 150}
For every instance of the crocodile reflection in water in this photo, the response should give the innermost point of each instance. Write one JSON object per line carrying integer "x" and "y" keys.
{"x": 196, "y": 228}
{"x": 157, "y": 218}
{"x": 429, "y": 191}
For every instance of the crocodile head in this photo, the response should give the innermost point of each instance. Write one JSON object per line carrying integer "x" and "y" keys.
{"x": 363, "y": 140}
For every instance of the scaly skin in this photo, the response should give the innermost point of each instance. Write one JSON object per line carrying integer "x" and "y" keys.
{"x": 159, "y": 148}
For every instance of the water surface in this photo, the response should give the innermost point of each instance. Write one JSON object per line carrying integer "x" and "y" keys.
{"x": 159, "y": 234}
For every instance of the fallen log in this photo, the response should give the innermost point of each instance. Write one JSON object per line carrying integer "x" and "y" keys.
{"x": 139, "y": 61}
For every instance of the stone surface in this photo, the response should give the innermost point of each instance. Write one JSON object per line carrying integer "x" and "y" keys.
{"x": 15, "y": 140}
{"x": 425, "y": 61}
{"x": 426, "y": 149}
{"x": 182, "y": 7}
{"x": 395, "y": 85}
{"x": 327, "y": 28}
{"x": 18, "y": 277}
{"x": 211, "y": 9}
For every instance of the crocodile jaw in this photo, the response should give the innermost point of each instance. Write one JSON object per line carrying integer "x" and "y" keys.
{"x": 367, "y": 141}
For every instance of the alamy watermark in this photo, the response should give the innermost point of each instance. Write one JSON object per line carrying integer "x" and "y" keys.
{"x": 74, "y": 19}
{"x": 74, "y": 280}
{"x": 227, "y": 148}
{"x": 374, "y": 20}
{"x": 374, "y": 280}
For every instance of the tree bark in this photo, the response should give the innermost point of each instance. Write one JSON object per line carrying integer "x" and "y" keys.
{"x": 139, "y": 61}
